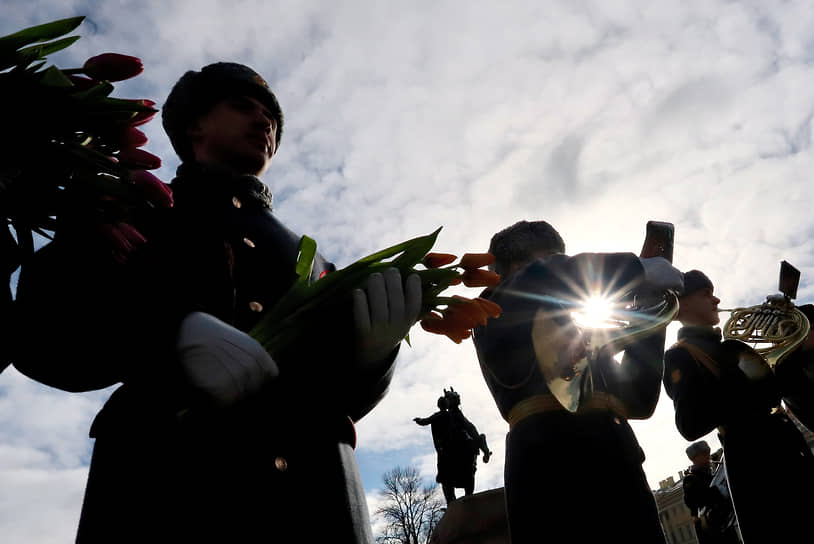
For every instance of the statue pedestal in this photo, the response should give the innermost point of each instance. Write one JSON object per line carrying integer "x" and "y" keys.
{"x": 479, "y": 518}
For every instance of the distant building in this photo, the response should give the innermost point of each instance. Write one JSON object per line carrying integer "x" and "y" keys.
{"x": 675, "y": 517}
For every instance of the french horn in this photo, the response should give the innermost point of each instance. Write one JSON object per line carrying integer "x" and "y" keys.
{"x": 566, "y": 348}
{"x": 774, "y": 328}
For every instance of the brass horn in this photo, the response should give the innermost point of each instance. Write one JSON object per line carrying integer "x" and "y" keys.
{"x": 774, "y": 328}
{"x": 566, "y": 349}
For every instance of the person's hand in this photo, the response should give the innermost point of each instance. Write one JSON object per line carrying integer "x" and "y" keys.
{"x": 224, "y": 363}
{"x": 486, "y": 456}
{"x": 416, "y": 419}
{"x": 660, "y": 275}
{"x": 383, "y": 313}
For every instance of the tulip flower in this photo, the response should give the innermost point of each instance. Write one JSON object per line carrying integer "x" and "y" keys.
{"x": 138, "y": 158}
{"x": 123, "y": 238}
{"x": 141, "y": 117}
{"x": 112, "y": 67}
{"x": 435, "y": 324}
{"x": 480, "y": 278}
{"x": 127, "y": 137}
{"x": 471, "y": 307}
{"x": 471, "y": 261}
{"x": 492, "y": 309}
{"x": 154, "y": 190}
{"x": 436, "y": 260}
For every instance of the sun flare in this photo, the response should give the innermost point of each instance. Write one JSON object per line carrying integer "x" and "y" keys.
{"x": 594, "y": 313}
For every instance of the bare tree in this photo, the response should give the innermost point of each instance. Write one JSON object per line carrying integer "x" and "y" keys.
{"x": 411, "y": 509}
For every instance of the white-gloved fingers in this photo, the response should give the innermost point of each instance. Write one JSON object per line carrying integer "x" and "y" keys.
{"x": 395, "y": 294}
{"x": 660, "y": 275}
{"x": 221, "y": 361}
{"x": 384, "y": 313}
{"x": 377, "y": 299}
{"x": 361, "y": 312}
{"x": 413, "y": 298}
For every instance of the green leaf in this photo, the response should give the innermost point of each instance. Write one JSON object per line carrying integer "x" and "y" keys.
{"x": 101, "y": 90}
{"x": 26, "y": 56}
{"x": 53, "y": 47}
{"x": 398, "y": 248}
{"x": 415, "y": 252}
{"x": 305, "y": 259}
{"x": 39, "y": 33}
{"x": 53, "y": 77}
{"x": 34, "y": 67}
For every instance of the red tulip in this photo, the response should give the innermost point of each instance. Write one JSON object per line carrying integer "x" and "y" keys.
{"x": 474, "y": 277}
{"x": 436, "y": 324}
{"x": 141, "y": 117}
{"x": 128, "y": 136}
{"x": 138, "y": 158}
{"x": 153, "y": 189}
{"x": 123, "y": 238}
{"x": 470, "y": 261}
{"x": 492, "y": 309}
{"x": 112, "y": 67}
{"x": 435, "y": 260}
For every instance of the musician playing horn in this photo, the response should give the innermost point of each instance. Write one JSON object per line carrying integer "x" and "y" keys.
{"x": 770, "y": 469}
{"x": 570, "y": 477}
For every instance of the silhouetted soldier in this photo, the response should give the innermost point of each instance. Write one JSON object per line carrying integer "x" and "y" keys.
{"x": 457, "y": 443}
{"x": 710, "y": 506}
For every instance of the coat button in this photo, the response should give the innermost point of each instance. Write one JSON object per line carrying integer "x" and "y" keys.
{"x": 248, "y": 242}
{"x": 255, "y": 306}
{"x": 236, "y": 202}
{"x": 281, "y": 464}
{"x": 617, "y": 421}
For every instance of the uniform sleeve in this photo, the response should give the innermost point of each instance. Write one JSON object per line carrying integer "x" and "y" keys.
{"x": 84, "y": 321}
{"x": 637, "y": 380}
{"x": 692, "y": 494}
{"x": 697, "y": 399}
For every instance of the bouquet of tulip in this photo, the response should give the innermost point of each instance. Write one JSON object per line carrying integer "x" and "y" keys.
{"x": 64, "y": 141}
{"x": 63, "y": 134}
{"x": 453, "y": 316}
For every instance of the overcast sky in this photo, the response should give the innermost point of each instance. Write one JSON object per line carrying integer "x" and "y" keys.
{"x": 405, "y": 116}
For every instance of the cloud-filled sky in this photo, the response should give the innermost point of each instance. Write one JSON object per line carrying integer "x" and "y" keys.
{"x": 403, "y": 117}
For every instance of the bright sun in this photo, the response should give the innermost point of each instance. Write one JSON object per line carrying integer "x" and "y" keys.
{"x": 594, "y": 313}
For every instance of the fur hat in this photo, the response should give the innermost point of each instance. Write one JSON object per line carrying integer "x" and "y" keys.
{"x": 197, "y": 92}
{"x": 697, "y": 448}
{"x": 695, "y": 280}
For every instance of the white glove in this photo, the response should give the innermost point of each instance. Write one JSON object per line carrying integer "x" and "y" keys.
{"x": 221, "y": 361}
{"x": 383, "y": 314}
{"x": 660, "y": 275}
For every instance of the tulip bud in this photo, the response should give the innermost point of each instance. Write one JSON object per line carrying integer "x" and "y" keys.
{"x": 471, "y": 261}
{"x": 112, "y": 67}
{"x": 473, "y": 309}
{"x": 127, "y": 137}
{"x": 474, "y": 277}
{"x": 153, "y": 189}
{"x": 435, "y": 260}
{"x": 141, "y": 117}
{"x": 492, "y": 309}
{"x": 138, "y": 158}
